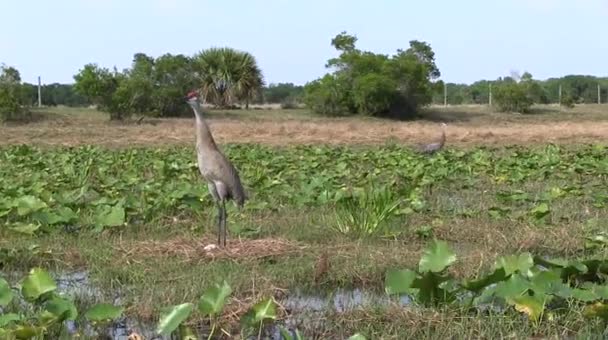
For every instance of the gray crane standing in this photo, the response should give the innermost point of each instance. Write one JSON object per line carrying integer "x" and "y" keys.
{"x": 222, "y": 178}
{"x": 434, "y": 147}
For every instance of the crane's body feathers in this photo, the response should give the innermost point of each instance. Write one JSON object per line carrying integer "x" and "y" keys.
{"x": 434, "y": 147}
{"x": 222, "y": 176}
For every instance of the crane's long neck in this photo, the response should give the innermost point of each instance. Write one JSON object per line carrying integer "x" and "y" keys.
{"x": 442, "y": 138}
{"x": 204, "y": 138}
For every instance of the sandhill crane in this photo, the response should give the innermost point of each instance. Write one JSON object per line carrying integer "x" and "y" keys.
{"x": 222, "y": 178}
{"x": 434, "y": 147}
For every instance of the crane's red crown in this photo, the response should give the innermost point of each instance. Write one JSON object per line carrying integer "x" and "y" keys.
{"x": 192, "y": 94}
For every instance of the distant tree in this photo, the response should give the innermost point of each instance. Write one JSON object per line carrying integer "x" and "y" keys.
{"x": 516, "y": 93}
{"x": 374, "y": 84}
{"x": 11, "y": 95}
{"x": 227, "y": 76}
{"x": 282, "y": 92}
{"x": 103, "y": 88}
{"x": 173, "y": 77}
{"x": 374, "y": 93}
{"x": 138, "y": 85}
{"x": 327, "y": 96}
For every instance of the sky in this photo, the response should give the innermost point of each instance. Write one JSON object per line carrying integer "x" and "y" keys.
{"x": 472, "y": 39}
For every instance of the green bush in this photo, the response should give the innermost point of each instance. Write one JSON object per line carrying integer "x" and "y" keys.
{"x": 327, "y": 96}
{"x": 568, "y": 101}
{"x": 12, "y": 106}
{"x": 373, "y": 94}
{"x": 512, "y": 97}
{"x": 374, "y": 84}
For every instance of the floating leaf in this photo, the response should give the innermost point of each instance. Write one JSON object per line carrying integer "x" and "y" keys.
{"x": 540, "y": 211}
{"x": 186, "y": 333}
{"x": 26, "y": 331}
{"x": 513, "y": 287}
{"x": 60, "y": 215}
{"x": 172, "y": 317}
{"x": 61, "y": 308}
{"x": 516, "y": 263}
{"x": 399, "y": 281}
{"x": 25, "y": 228}
{"x": 213, "y": 300}
{"x": 597, "y": 310}
{"x": 37, "y": 283}
{"x": 103, "y": 312}
{"x": 29, "y": 204}
{"x": 430, "y": 289}
{"x": 110, "y": 216}
{"x": 528, "y": 305}
{"x": 7, "y": 318}
{"x": 477, "y": 285}
{"x": 261, "y": 311}
{"x": 436, "y": 257}
{"x": 6, "y": 294}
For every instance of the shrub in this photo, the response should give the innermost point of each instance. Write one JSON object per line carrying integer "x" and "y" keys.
{"x": 11, "y": 98}
{"x": 512, "y": 97}
{"x": 373, "y": 94}
{"x": 374, "y": 84}
{"x": 327, "y": 96}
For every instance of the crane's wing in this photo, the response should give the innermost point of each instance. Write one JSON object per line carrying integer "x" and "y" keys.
{"x": 223, "y": 171}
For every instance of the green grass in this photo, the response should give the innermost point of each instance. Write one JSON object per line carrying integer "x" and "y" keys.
{"x": 482, "y": 202}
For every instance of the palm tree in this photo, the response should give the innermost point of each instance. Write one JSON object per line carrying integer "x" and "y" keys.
{"x": 227, "y": 75}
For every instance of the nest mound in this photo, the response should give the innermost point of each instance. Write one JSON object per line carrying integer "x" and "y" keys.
{"x": 206, "y": 249}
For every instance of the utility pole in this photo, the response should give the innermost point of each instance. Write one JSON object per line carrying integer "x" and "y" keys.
{"x": 599, "y": 94}
{"x": 39, "y": 93}
{"x": 445, "y": 94}
{"x": 490, "y": 95}
{"x": 559, "y": 93}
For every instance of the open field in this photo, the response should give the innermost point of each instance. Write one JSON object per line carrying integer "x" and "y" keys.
{"x": 519, "y": 194}
{"x": 468, "y": 126}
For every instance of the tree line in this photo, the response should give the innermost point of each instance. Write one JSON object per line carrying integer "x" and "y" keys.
{"x": 578, "y": 89}
{"x": 357, "y": 82}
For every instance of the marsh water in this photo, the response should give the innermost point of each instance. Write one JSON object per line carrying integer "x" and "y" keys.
{"x": 303, "y": 308}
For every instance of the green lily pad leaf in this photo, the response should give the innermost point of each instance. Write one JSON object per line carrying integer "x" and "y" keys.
{"x": 62, "y": 309}
{"x": 261, "y": 311}
{"x": 213, "y": 300}
{"x": 37, "y": 283}
{"x": 436, "y": 257}
{"x": 399, "y": 281}
{"x": 478, "y": 285}
{"x": 596, "y": 310}
{"x": 110, "y": 216}
{"x": 516, "y": 263}
{"x": 25, "y": 228}
{"x": 29, "y": 204}
{"x": 6, "y": 294}
{"x": 529, "y": 305}
{"x": 26, "y": 331}
{"x": 6, "y": 319}
{"x": 513, "y": 287}
{"x": 103, "y": 312}
{"x": 172, "y": 317}
{"x": 540, "y": 211}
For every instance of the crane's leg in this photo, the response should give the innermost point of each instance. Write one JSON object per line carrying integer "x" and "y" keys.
{"x": 219, "y": 223}
{"x": 224, "y": 217}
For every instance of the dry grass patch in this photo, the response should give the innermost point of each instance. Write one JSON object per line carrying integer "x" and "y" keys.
{"x": 204, "y": 250}
{"x": 467, "y": 126}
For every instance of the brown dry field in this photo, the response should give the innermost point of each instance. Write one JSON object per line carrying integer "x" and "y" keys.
{"x": 467, "y": 126}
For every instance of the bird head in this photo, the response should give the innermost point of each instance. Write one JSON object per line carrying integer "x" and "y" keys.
{"x": 192, "y": 97}
{"x": 444, "y": 125}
